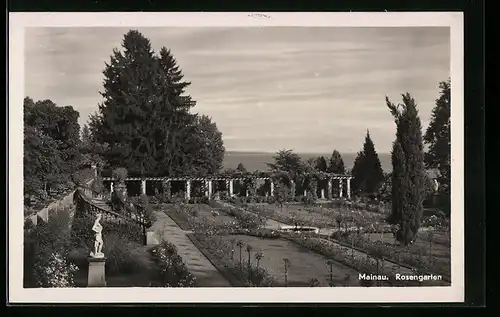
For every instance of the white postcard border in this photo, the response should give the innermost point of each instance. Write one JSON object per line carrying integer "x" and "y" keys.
{"x": 17, "y": 294}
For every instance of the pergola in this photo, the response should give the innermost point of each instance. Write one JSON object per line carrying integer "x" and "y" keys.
{"x": 208, "y": 182}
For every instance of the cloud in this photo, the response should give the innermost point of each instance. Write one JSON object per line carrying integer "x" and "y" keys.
{"x": 300, "y": 87}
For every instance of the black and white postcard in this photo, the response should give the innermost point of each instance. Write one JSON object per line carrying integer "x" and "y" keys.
{"x": 236, "y": 157}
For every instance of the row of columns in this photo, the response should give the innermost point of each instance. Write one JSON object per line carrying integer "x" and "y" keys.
{"x": 230, "y": 185}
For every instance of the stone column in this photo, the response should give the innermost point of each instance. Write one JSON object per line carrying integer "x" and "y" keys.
{"x": 322, "y": 193}
{"x": 349, "y": 187}
{"x": 330, "y": 193}
{"x": 94, "y": 168}
{"x": 188, "y": 189}
{"x": 231, "y": 188}
{"x": 96, "y": 275}
{"x": 341, "y": 187}
{"x": 209, "y": 188}
{"x": 143, "y": 187}
{"x": 272, "y": 188}
{"x": 292, "y": 188}
{"x": 205, "y": 187}
{"x": 168, "y": 188}
{"x": 305, "y": 192}
{"x": 112, "y": 187}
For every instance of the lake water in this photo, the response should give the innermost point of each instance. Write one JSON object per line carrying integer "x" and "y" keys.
{"x": 257, "y": 161}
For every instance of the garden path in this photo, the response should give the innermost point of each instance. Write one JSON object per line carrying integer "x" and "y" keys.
{"x": 205, "y": 272}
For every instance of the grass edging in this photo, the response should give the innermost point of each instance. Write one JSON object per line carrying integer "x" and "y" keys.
{"x": 182, "y": 222}
{"x": 234, "y": 280}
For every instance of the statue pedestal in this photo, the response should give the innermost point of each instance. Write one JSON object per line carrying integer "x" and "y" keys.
{"x": 96, "y": 275}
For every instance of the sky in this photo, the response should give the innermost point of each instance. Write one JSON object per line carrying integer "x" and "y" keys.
{"x": 310, "y": 89}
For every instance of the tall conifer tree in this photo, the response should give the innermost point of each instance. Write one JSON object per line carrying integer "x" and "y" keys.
{"x": 367, "y": 170}
{"x": 336, "y": 165}
{"x": 408, "y": 175}
{"x": 145, "y": 116}
{"x": 437, "y": 137}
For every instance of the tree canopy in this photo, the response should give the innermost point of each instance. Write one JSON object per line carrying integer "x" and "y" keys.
{"x": 51, "y": 141}
{"x": 437, "y": 137}
{"x": 367, "y": 170}
{"x": 321, "y": 164}
{"x": 146, "y": 115}
{"x": 336, "y": 163}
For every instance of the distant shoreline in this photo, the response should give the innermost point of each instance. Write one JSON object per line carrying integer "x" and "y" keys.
{"x": 256, "y": 160}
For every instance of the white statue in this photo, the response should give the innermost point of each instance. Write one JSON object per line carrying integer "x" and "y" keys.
{"x": 97, "y": 228}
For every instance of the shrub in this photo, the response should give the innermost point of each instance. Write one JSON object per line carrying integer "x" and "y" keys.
{"x": 171, "y": 271}
{"x": 97, "y": 186}
{"x": 144, "y": 208}
{"x": 124, "y": 256}
{"x": 46, "y": 248}
{"x": 271, "y": 200}
{"x": 154, "y": 200}
{"x": 117, "y": 201}
{"x": 120, "y": 174}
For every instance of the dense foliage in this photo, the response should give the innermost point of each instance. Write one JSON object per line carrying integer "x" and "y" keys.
{"x": 51, "y": 142}
{"x": 336, "y": 164}
{"x": 437, "y": 137}
{"x": 170, "y": 271}
{"x": 367, "y": 170}
{"x": 46, "y": 248}
{"x": 145, "y": 116}
{"x": 408, "y": 175}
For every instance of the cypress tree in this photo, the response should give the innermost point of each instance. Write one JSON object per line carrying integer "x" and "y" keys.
{"x": 408, "y": 174}
{"x": 367, "y": 170}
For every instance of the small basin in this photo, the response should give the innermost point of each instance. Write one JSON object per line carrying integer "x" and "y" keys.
{"x": 298, "y": 229}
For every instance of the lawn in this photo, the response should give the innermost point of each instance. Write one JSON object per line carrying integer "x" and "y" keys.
{"x": 181, "y": 213}
{"x": 304, "y": 264}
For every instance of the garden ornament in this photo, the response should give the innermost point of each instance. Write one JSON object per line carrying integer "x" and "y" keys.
{"x": 98, "y": 243}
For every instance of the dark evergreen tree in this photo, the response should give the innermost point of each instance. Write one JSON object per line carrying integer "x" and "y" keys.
{"x": 336, "y": 165}
{"x": 437, "y": 137}
{"x": 127, "y": 116}
{"x": 241, "y": 168}
{"x": 145, "y": 117}
{"x": 367, "y": 170}
{"x": 321, "y": 164}
{"x": 408, "y": 175}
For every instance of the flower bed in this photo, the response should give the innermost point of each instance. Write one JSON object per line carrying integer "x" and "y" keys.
{"x": 170, "y": 270}
{"x": 245, "y": 219}
{"x": 365, "y": 264}
{"x": 340, "y": 218}
{"x": 415, "y": 256}
{"x": 218, "y": 251}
